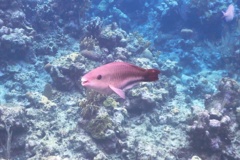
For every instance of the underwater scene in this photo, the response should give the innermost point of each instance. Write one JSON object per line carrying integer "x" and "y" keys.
{"x": 119, "y": 80}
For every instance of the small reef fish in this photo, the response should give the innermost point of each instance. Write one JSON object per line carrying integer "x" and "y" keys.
{"x": 229, "y": 14}
{"x": 116, "y": 77}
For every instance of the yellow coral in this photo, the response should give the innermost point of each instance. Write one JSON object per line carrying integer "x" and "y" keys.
{"x": 47, "y": 103}
{"x": 73, "y": 56}
{"x": 42, "y": 101}
{"x": 110, "y": 102}
{"x": 99, "y": 125}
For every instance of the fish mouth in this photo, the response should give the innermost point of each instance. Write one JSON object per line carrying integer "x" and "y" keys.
{"x": 84, "y": 81}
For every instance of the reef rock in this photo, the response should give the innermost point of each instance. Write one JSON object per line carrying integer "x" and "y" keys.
{"x": 13, "y": 129}
{"x": 66, "y": 71}
{"x": 213, "y": 128}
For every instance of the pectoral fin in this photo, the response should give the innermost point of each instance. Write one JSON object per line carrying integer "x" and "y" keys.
{"x": 118, "y": 91}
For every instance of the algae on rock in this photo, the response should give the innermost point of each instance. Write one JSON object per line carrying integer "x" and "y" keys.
{"x": 99, "y": 126}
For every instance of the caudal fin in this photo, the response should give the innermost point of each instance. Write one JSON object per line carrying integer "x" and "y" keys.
{"x": 151, "y": 75}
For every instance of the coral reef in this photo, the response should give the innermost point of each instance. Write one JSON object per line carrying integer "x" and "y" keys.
{"x": 65, "y": 72}
{"x": 146, "y": 98}
{"x": 214, "y": 127}
{"x": 93, "y": 27}
{"x": 99, "y": 124}
{"x": 47, "y": 46}
{"x": 100, "y": 127}
{"x": 38, "y": 100}
{"x": 16, "y": 33}
{"x": 110, "y": 102}
{"x": 112, "y": 36}
{"x": 90, "y": 49}
{"x": 57, "y": 13}
{"x": 13, "y": 129}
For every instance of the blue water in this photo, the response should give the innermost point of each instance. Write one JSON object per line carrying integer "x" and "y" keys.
{"x": 192, "y": 111}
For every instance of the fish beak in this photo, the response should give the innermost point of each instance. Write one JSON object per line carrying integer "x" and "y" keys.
{"x": 84, "y": 81}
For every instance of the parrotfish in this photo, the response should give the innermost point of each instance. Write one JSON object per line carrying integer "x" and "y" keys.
{"x": 229, "y": 14}
{"x": 117, "y": 77}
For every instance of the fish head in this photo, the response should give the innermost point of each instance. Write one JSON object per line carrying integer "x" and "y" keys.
{"x": 95, "y": 80}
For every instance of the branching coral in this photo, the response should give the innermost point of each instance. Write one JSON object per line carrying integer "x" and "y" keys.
{"x": 88, "y": 43}
{"x": 88, "y": 110}
{"x": 93, "y": 27}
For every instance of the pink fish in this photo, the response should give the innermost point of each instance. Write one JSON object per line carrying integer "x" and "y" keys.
{"x": 116, "y": 77}
{"x": 229, "y": 14}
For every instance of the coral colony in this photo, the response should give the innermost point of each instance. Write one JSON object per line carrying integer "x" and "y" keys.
{"x": 187, "y": 51}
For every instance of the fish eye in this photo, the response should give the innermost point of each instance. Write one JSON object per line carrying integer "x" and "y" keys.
{"x": 99, "y": 77}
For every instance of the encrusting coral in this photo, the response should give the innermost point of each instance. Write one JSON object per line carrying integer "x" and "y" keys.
{"x": 214, "y": 127}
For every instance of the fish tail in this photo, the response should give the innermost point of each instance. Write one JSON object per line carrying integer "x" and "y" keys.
{"x": 151, "y": 75}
